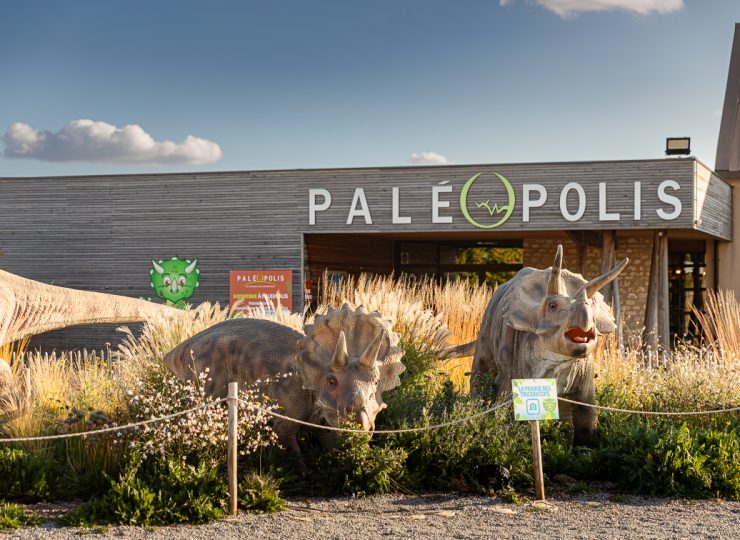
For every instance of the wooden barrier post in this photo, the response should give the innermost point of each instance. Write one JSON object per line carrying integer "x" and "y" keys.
{"x": 539, "y": 482}
{"x": 233, "y": 401}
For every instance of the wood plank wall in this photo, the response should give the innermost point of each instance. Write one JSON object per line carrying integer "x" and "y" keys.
{"x": 100, "y": 232}
{"x": 713, "y": 203}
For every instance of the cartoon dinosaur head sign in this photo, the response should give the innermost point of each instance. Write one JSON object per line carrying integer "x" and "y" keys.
{"x": 174, "y": 280}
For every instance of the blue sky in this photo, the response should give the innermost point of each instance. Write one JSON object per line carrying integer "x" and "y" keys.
{"x": 259, "y": 85}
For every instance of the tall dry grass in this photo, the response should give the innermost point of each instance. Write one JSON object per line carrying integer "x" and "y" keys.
{"x": 139, "y": 355}
{"x": 720, "y": 324}
{"x": 422, "y": 310}
{"x": 15, "y": 349}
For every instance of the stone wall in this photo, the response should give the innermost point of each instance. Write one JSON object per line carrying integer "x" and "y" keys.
{"x": 633, "y": 281}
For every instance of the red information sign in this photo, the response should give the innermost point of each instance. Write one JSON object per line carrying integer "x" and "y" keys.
{"x": 252, "y": 288}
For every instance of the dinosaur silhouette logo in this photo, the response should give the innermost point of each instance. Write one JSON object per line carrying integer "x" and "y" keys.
{"x": 493, "y": 210}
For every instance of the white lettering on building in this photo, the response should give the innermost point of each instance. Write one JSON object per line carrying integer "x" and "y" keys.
{"x": 397, "y": 218}
{"x": 313, "y": 207}
{"x": 605, "y": 215}
{"x": 437, "y": 204}
{"x": 363, "y": 211}
{"x": 669, "y": 199}
{"x": 528, "y": 202}
{"x": 572, "y": 186}
{"x": 572, "y": 203}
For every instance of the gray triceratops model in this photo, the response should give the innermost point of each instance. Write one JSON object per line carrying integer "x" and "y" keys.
{"x": 545, "y": 324}
{"x": 337, "y": 369}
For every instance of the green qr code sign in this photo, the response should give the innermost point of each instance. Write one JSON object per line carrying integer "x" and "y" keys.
{"x": 535, "y": 399}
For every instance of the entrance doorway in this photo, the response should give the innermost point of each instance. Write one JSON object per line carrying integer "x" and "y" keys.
{"x": 477, "y": 262}
{"x": 687, "y": 286}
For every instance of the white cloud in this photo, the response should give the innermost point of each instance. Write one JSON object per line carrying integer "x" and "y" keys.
{"x": 567, "y": 8}
{"x": 87, "y": 140}
{"x": 429, "y": 158}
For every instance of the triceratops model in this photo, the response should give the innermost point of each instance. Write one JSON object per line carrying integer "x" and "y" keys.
{"x": 544, "y": 324}
{"x": 338, "y": 369}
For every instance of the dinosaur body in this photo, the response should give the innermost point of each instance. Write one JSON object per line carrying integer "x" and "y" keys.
{"x": 336, "y": 370}
{"x": 29, "y": 307}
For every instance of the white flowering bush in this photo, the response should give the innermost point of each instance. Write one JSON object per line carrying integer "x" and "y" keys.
{"x": 201, "y": 433}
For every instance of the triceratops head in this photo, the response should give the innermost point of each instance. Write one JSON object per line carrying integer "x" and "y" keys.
{"x": 564, "y": 310}
{"x": 349, "y": 358}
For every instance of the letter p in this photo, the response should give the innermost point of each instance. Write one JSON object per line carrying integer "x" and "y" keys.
{"x": 314, "y": 207}
{"x": 527, "y": 200}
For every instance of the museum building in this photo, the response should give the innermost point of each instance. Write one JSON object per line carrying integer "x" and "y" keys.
{"x": 673, "y": 217}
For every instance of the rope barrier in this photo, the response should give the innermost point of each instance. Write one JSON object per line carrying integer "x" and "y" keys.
{"x": 655, "y": 413}
{"x": 380, "y": 431}
{"x": 349, "y": 430}
{"x": 115, "y": 428}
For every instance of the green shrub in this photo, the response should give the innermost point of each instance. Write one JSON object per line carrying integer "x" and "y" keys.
{"x": 13, "y": 516}
{"x": 27, "y": 476}
{"x": 260, "y": 493}
{"x": 358, "y": 468}
{"x": 158, "y": 493}
{"x": 460, "y": 456}
{"x": 417, "y": 357}
{"x": 666, "y": 458}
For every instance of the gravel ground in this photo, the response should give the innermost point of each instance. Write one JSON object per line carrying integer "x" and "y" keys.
{"x": 445, "y": 516}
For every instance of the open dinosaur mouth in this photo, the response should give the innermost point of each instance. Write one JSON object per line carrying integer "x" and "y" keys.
{"x": 576, "y": 335}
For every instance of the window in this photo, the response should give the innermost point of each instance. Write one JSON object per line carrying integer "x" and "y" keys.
{"x": 490, "y": 262}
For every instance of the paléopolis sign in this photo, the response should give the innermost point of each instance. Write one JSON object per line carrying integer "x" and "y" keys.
{"x": 491, "y": 200}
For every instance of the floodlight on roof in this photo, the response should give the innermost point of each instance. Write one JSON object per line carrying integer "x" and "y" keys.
{"x": 678, "y": 146}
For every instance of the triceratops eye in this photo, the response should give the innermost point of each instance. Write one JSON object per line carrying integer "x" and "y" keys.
{"x": 332, "y": 380}
{"x": 167, "y": 281}
{"x": 552, "y": 306}
{"x": 181, "y": 281}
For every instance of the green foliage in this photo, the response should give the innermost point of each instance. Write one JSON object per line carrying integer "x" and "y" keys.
{"x": 358, "y": 468}
{"x": 418, "y": 359}
{"x": 664, "y": 457}
{"x": 259, "y": 493}
{"x": 27, "y": 476}
{"x": 89, "y": 462}
{"x": 459, "y": 456}
{"x": 13, "y": 516}
{"x": 158, "y": 493}
{"x": 667, "y": 458}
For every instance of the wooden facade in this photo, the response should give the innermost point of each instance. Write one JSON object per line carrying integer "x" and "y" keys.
{"x": 100, "y": 232}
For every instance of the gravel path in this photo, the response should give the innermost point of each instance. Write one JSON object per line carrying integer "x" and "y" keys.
{"x": 447, "y": 516}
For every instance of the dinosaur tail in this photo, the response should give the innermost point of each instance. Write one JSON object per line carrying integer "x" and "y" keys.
{"x": 460, "y": 351}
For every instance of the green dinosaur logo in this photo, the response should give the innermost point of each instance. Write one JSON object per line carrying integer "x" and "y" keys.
{"x": 174, "y": 280}
{"x": 496, "y": 209}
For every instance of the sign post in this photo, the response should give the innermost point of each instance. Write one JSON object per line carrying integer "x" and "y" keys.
{"x": 535, "y": 400}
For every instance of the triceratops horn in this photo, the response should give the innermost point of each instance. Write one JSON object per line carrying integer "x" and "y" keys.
{"x": 157, "y": 267}
{"x": 370, "y": 354}
{"x": 598, "y": 282}
{"x": 189, "y": 268}
{"x": 553, "y": 284}
{"x": 340, "y": 358}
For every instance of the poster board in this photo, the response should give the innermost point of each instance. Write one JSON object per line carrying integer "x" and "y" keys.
{"x": 250, "y": 289}
{"x": 535, "y": 399}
